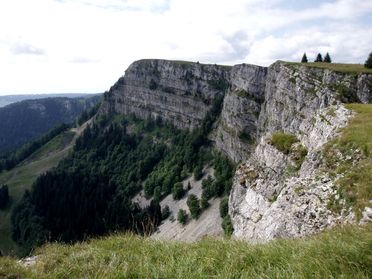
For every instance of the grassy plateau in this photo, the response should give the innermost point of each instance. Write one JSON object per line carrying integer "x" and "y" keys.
{"x": 344, "y": 252}
{"x": 337, "y": 67}
{"x": 354, "y": 142}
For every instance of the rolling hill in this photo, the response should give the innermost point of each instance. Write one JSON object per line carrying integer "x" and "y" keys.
{"x": 26, "y": 120}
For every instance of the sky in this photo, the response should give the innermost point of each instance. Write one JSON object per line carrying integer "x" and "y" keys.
{"x": 84, "y": 46}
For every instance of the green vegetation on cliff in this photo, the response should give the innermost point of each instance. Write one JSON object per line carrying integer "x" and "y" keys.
{"x": 338, "y": 253}
{"x": 350, "y": 154}
{"x": 337, "y": 67}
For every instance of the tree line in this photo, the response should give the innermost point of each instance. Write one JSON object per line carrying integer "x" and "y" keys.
{"x": 319, "y": 58}
{"x": 327, "y": 59}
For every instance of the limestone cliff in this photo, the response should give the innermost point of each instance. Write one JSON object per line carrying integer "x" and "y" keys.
{"x": 275, "y": 194}
{"x": 178, "y": 92}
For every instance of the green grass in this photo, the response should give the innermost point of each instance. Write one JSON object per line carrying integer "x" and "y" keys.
{"x": 340, "y": 253}
{"x": 22, "y": 176}
{"x": 337, "y": 67}
{"x": 283, "y": 142}
{"x": 189, "y": 63}
{"x": 355, "y": 141}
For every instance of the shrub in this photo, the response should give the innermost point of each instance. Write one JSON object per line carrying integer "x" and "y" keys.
{"x": 204, "y": 202}
{"x": 165, "y": 213}
{"x": 227, "y": 225}
{"x": 178, "y": 192}
{"x": 211, "y": 188}
{"x": 368, "y": 63}
{"x": 283, "y": 142}
{"x": 224, "y": 207}
{"x": 198, "y": 172}
{"x": 182, "y": 216}
{"x": 194, "y": 207}
{"x": 299, "y": 154}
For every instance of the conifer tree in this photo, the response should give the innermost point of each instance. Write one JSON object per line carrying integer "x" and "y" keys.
{"x": 182, "y": 216}
{"x": 327, "y": 58}
{"x": 304, "y": 58}
{"x": 368, "y": 63}
{"x": 319, "y": 58}
{"x": 194, "y": 206}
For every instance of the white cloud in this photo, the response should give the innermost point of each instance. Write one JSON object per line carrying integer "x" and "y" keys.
{"x": 24, "y": 48}
{"x": 90, "y": 43}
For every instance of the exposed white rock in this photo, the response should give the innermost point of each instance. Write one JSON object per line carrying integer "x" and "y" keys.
{"x": 29, "y": 261}
{"x": 278, "y": 203}
{"x": 208, "y": 224}
{"x": 366, "y": 216}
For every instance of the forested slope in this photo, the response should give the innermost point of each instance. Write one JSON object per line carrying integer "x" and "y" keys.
{"x": 26, "y": 120}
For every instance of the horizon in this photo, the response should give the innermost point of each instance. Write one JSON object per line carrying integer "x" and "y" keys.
{"x": 41, "y": 51}
{"x": 41, "y": 94}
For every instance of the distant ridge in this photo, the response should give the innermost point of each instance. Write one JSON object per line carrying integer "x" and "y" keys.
{"x": 23, "y": 121}
{"x": 9, "y": 99}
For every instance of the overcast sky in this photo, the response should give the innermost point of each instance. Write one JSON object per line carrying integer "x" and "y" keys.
{"x": 78, "y": 46}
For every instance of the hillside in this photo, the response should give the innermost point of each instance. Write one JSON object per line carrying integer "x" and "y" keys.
{"x": 10, "y": 99}
{"x": 26, "y": 120}
{"x": 339, "y": 253}
{"x": 24, "y": 174}
{"x": 276, "y": 142}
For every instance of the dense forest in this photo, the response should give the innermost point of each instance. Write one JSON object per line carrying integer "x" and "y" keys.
{"x": 90, "y": 192}
{"x": 27, "y": 120}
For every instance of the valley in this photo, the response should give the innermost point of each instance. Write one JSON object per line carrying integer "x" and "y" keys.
{"x": 24, "y": 174}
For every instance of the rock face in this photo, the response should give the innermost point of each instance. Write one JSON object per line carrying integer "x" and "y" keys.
{"x": 178, "y": 92}
{"x": 275, "y": 193}
{"x": 237, "y": 129}
{"x": 274, "y": 197}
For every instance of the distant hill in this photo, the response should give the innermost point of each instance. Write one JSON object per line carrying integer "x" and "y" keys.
{"x": 9, "y": 99}
{"x": 26, "y": 120}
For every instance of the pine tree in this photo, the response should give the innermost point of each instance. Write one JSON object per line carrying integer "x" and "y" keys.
{"x": 304, "y": 58}
{"x": 182, "y": 216}
{"x": 204, "y": 202}
{"x": 194, "y": 207}
{"x": 368, "y": 63}
{"x": 178, "y": 192}
{"x": 165, "y": 213}
{"x": 319, "y": 58}
{"x": 327, "y": 58}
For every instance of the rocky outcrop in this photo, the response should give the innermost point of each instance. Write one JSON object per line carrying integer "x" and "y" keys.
{"x": 179, "y": 92}
{"x": 275, "y": 197}
{"x": 275, "y": 193}
{"x": 237, "y": 129}
{"x": 294, "y": 94}
{"x": 257, "y": 100}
